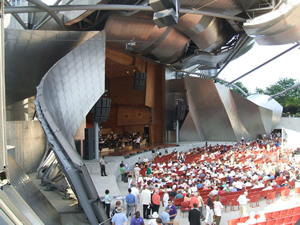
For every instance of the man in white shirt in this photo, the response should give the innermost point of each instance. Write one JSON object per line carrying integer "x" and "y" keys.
{"x": 137, "y": 172}
{"x": 146, "y": 202}
{"x": 242, "y": 200}
{"x": 102, "y": 166}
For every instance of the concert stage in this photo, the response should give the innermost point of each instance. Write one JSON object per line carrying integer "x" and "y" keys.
{"x": 130, "y": 150}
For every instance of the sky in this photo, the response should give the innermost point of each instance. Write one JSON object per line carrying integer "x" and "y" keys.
{"x": 286, "y": 66}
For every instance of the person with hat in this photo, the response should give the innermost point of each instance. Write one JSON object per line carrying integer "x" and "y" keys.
{"x": 119, "y": 218}
{"x": 137, "y": 220}
{"x": 153, "y": 220}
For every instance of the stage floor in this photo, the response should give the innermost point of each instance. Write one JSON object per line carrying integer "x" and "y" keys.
{"x": 127, "y": 150}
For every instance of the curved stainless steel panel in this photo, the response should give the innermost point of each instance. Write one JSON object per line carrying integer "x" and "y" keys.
{"x": 207, "y": 109}
{"x": 281, "y": 26}
{"x": 271, "y": 104}
{"x": 65, "y": 95}
{"x": 167, "y": 44}
{"x": 35, "y": 52}
{"x": 251, "y": 115}
{"x": 232, "y": 112}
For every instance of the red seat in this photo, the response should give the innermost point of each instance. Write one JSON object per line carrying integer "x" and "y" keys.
{"x": 235, "y": 206}
{"x": 254, "y": 201}
{"x": 234, "y": 221}
{"x": 271, "y": 197}
{"x": 177, "y": 202}
{"x": 244, "y": 219}
{"x": 279, "y": 221}
{"x": 285, "y": 194}
{"x": 287, "y": 219}
{"x": 185, "y": 207}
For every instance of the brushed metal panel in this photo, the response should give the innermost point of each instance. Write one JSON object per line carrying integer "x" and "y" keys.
{"x": 205, "y": 31}
{"x": 188, "y": 131}
{"x": 271, "y": 104}
{"x": 281, "y": 26}
{"x": 65, "y": 95}
{"x": 75, "y": 83}
{"x": 266, "y": 117}
{"x": 167, "y": 44}
{"x": 24, "y": 190}
{"x": 250, "y": 115}
{"x": 207, "y": 109}
{"x": 232, "y": 112}
{"x": 35, "y": 52}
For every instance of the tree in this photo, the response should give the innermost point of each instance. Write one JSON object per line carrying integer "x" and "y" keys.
{"x": 289, "y": 100}
{"x": 259, "y": 91}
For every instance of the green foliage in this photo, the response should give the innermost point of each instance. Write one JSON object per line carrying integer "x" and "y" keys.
{"x": 289, "y": 100}
{"x": 259, "y": 91}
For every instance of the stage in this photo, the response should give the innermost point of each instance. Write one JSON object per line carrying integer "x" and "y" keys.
{"x": 130, "y": 150}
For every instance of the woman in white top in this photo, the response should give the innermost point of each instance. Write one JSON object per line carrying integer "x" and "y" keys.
{"x": 218, "y": 209}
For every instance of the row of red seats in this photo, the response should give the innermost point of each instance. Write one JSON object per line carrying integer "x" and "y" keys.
{"x": 286, "y": 216}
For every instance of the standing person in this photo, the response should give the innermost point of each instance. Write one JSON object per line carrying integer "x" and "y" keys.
{"x": 107, "y": 201}
{"x": 136, "y": 171}
{"x": 119, "y": 218}
{"x": 218, "y": 209}
{"x": 165, "y": 198}
{"x": 130, "y": 200}
{"x": 102, "y": 166}
{"x": 156, "y": 201}
{"x": 122, "y": 168}
{"x": 172, "y": 210}
{"x": 194, "y": 215}
{"x": 146, "y": 202}
{"x": 209, "y": 210}
{"x": 137, "y": 220}
{"x": 243, "y": 201}
{"x": 118, "y": 204}
{"x": 135, "y": 191}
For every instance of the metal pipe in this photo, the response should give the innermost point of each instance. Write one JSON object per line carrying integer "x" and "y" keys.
{"x": 270, "y": 60}
{"x": 16, "y": 16}
{"x": 41, "y": 20}
{"x": 234, "y": 53}
{"x": 46, "y": 8}
{"x": 25, "y": 9}
{"x": 286, "y": 90}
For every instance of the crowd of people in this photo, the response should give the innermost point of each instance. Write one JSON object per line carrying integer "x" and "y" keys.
{"x": 215, "y": 170}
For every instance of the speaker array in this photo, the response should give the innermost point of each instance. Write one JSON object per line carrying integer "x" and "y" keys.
{"x": 180, "y": 111}
{"x": 139, "y": 81}
{"x": 89, "y": 144}
{"x": 102, "y": 110}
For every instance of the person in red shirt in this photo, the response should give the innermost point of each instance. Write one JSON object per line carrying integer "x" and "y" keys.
{"x": 194, "y": 199}
{"x": 156, "y": 201}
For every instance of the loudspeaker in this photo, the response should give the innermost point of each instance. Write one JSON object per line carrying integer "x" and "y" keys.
{"x": 158, "y": 5}
{"x": 78, "y": 146}
{"x": 102, "y": 110}
{"x": 89, "y": 144}
{"x": 180, "y": 111}
{"x": 139, "y": 81}
{"x": 165, "y": 18}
